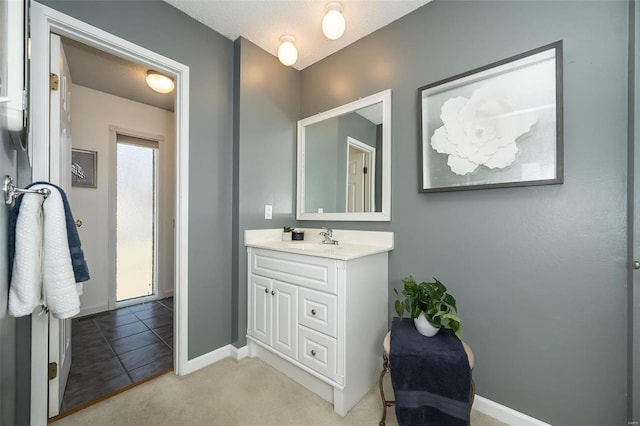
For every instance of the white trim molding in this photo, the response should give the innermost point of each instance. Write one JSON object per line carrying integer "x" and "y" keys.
{"x": 44, "y": 21}
{"x": 228, "y": 351}
{"x": 239, "y": 353}
{"x": 505, "y": 414}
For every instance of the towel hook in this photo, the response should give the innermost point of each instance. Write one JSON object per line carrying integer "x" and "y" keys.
{"x": 11, "y": 192}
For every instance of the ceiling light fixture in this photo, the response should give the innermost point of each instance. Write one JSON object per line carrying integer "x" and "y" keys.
{"x": 159, "y": 82}
{"x": 287, "y": 52}
{"x": 333, "y": 23}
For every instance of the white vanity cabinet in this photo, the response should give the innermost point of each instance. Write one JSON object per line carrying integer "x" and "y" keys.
{"x": 319, "y": 318}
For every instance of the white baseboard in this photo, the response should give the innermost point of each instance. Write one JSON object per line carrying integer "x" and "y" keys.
{"x": 207, "y": 359}
{"x": 238, "y": 353}
{"x": 212, "y": 357}
{"x": 505, "y": 414}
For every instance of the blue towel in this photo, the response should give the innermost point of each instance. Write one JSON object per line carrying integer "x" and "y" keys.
{"x": 80, "y": 268}
{"x": 431, "y": 377}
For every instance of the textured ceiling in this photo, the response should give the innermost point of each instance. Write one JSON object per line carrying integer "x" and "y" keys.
{"x": 260, "y": 21}
{"x": 263, "y": 22}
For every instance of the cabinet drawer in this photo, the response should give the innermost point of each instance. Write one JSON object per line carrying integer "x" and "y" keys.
{"x": 307, "y": 271}
{"x": 318, "y": 311}
{"x": 317, "y": 351}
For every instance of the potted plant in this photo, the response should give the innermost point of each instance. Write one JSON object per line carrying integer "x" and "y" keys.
{"x": 428, "y": 304}
{"x": 286, "y": 233}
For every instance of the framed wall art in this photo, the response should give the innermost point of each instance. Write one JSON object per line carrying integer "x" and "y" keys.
{"x": 495, "y": 126}
{"x": 84, "y": 168}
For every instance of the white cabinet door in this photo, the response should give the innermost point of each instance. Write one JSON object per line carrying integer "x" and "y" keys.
{"x": 260, "y": 321}
{"x": 285, "y": 318}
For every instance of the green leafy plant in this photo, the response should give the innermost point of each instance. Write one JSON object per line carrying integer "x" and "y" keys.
{"x": 288, "y": 229}
{"x": 439, "y": 307}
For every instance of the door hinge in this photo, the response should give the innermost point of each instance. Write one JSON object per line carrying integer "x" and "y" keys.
{"x": 53, "y": 81}
{"x": 364, "y": 170}
{"x": 53, "y": 370}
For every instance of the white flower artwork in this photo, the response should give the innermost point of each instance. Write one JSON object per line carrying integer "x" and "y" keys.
{"x": 481, "y": 130}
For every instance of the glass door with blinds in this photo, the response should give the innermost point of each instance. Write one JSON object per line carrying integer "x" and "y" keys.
{"x": 136, "y": 218}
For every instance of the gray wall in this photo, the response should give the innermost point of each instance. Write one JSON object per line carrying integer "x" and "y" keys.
{"x": 8, "y": 336}
{"x": 161, "y": 28}
{"x": 15, "y": 333}
{"x": 264, "y": 155}
{"x": 539, "y": 272}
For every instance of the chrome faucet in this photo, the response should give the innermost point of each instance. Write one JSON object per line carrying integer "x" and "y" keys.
{"x": 327, "y": 236}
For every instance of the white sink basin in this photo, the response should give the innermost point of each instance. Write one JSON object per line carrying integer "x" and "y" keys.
{"x": 312, "y": 246}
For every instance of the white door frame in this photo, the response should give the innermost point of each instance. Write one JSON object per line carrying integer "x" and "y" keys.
{"x": 45, "y": 20}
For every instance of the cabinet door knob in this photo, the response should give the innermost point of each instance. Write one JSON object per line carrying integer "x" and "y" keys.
{"x": 273, "y": 292}
{"x": 266, "y": 290}
{"x": 313, "y": 352}
{"x": 313, "y": 312}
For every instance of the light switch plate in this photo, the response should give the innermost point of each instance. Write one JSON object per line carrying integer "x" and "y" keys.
{"x": 268, "y": 211}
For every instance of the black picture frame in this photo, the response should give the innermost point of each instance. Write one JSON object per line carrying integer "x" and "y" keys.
{"x": 497, "y": 126}
{"x": 84, "y": 168}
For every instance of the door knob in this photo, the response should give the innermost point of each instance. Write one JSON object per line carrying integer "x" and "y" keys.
{"x": 78, "y": 223}
{"x": 636, "y": 264}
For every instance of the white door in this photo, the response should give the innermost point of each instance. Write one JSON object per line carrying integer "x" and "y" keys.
{"x": 360, "y": 176}
{"x": 60, "y": 174}
{"x": 260, "y": 321}
{"x": 284, "y": 299}
{"x": 355, "y": 181}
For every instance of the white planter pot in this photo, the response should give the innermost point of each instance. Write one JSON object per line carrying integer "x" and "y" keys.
{"x": 424, "y": 327}
{"x": 286, "y": 236}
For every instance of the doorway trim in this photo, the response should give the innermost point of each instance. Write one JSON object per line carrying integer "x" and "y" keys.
{"x": 45, "y": 20}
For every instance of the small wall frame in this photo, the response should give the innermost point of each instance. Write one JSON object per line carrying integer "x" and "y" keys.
{"x": 495, "y": 126}
{"x": 84, "y": 168}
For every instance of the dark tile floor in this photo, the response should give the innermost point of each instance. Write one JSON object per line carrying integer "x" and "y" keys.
{"x": 114, "y": 349}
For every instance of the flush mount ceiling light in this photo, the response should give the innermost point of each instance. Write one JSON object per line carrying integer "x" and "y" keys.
{"x": 159, "y": 82}
{"x": 333, "y": 23}
{"x": 287, "y": 52}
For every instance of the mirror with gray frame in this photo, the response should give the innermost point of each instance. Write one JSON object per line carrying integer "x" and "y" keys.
{"x": 344, "y": 164}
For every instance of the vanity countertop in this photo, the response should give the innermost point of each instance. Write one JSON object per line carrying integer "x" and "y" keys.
{"x": 351, "y": 244}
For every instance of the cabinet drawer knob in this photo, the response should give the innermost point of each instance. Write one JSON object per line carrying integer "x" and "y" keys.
{"x": 313, "y": 352}
{"x": 266, "y": 290}
{"x": 313, "y": 312}
{"x": 273, "y": 292}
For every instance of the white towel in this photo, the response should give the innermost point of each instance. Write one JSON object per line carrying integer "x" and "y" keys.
{"x": 42, "y": 270}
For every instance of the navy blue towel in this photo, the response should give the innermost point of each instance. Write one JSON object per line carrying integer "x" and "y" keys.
{"x": 431, "y": 377}
{"x": 80, "y": 268}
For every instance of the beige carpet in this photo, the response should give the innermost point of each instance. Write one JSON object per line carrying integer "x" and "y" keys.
{"x": 243, "y": 393}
